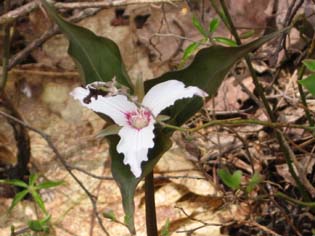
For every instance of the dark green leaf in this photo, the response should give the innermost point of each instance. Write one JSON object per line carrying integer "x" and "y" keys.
{"x": 232, "y": 181}
{"x": 199, "y": 27}
{"x": 310, "y": 64}
{"x": 214, "y": 24}
{"x": 49, "y": 184}
{"x": 309, "y": 84}
{"x": 39, "y": 201}
{"x": 226, "y": 41}
{"x": 253, "y": 182}
{"x": 98, "y": 58}
{"x": 110, "y": 130}
{"x": 15, "y": 182}
{"x": 18, "y": 197}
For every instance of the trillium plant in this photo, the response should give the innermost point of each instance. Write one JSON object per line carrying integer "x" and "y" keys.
{"x": 140, "y": 141}
{"x": 135, "y": 117}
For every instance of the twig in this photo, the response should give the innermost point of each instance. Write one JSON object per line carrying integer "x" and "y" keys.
{"x": 203, "y": 224}
{"x": 262, "y": 227}
{"x": 292, "y": 9}
{"x": 6, "y": 50}
{"x": 45, "y": 36}
{"x": 63, "y": 162}
{"x": 29, "y": 7}
{"x": 90, "y": 174}
{"x": 110, "y": 3}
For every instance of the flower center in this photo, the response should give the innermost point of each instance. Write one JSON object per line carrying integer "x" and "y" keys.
{"x": 139, "y": 119}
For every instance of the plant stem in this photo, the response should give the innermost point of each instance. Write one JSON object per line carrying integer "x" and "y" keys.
{"x": 285, "y": 148}
{"x": 302, "y": 94}
{"x": 293, "y": 200}
{"x": 6, "y": 49}
{"x": 150, "y": 213}
{"x": 237, "y": 122}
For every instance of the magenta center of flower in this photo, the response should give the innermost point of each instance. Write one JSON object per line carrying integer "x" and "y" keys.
{"x": 139, "y": 119}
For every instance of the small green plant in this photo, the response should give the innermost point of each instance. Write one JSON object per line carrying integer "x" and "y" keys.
{"x": 233, "y": 181}
{"x": 207, "y": 37}
{"x": 165, "y": 231}
{"x": 309, "y": 81}
{"x": 33, "y": 188}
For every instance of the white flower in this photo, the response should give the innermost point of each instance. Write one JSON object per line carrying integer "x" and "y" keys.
{"x": 137, "y": 122}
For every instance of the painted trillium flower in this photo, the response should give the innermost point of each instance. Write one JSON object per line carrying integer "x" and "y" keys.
{"x": 137, "y": 121}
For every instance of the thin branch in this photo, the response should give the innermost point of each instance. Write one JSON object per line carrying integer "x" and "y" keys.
{"x": 6, "y": 50}
{"x": 64, "y": 163}
{"x": 17, "y": 58}
{"x": 29, "y": 7}
{"x": 292, "y": 10}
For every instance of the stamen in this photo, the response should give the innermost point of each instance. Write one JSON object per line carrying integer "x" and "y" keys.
{"x": 139, "y": 119}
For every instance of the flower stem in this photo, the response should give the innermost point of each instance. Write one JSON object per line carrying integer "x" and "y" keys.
{"x": 150, "y": 213}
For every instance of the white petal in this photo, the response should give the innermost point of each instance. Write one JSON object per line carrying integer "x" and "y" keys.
{"x": 113, "y": 106}
{"x": 165, "y": 94}
{"x": 135, "y": 144}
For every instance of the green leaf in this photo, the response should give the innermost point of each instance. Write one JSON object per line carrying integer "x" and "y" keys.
{"x": 199, "y": 27}
{"x": 253, "y": 182}
{"x": 226, "y": 41}
{"x": 309, "y": 83}
{"x": 32, "y": 179}
{"x": 40, "y": 225}
{"x": 214, "y": 24}
{"x": 165, "y": 231}
{"x": 39, "y": 201}
{"x": 247, "y": 34}
{"x": 109, "y": 130}
{"x": 189, "y": 51}
{"x": 162, "y": 118}
{"x": 109, "y": 215}
{"x": 98, "y": 58}
{"x": 232, "y": 181}
{"x": 18, "y": 197}
{"x": 15, "y": 182}
{"x": 49, "y": 184}
{"x": 310, "y": 64}
{"x": 139, "y": 89}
